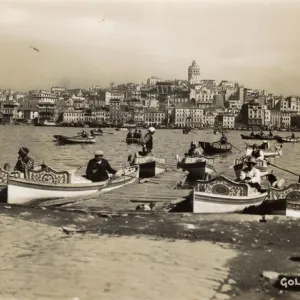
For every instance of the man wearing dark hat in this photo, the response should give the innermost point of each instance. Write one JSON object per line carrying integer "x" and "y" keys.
{"x": 24, "y": 162}
{"x": 250, "y": 174}
{"x": 98, "y": 168}
{"x": 257, "y": 153}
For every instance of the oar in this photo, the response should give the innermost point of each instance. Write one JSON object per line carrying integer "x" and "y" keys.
{"x": 280, "y": 168}
{"x": 230, "y": 167}
{"x": 236, "y": 148}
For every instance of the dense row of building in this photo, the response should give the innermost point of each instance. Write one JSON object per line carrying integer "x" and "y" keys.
{"x": 184, "y": 103}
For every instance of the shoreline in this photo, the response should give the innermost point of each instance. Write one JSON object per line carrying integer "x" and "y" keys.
{"x": 260, "y": 246}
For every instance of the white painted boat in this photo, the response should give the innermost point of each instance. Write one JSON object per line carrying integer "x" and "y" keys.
{"x": 198, "y": 166}
{"x": 277, "y": 152}
{"x": 149, "y": 165}
{"x": 262, "y": 166}
{"x": 4, "y": 175}
{"x": 48, "y": 184}
{"x": 291, "y": 194}
{"x": 49, "y": 123}
{"x": 222, "y": 195}
{"x": 288, "y": 140}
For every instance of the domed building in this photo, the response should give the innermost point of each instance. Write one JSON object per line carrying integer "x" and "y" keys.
{"x": 194, "y": 73}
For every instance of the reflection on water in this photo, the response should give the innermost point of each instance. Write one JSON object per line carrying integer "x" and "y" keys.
{"x": 167, "y": 143}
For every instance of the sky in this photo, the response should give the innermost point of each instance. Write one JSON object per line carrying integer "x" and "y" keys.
{"x": 253, "y": 42}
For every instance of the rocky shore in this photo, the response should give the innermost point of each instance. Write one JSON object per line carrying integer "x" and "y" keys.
{"x": 54, "y": 254}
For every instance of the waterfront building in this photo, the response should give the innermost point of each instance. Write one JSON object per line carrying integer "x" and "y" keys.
{"x": 228, "y": 120}
{"x": 114, "y": 109}
{"x": 187, "y": 116}
{"x": 9, "y": 111}
{"x": 58, "y": 90}
{"x": 154, "y": 117}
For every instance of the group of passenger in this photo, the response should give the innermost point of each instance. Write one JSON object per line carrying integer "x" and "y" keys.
{"x": 134, "y": 135}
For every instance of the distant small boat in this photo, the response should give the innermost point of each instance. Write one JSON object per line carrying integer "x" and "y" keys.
{"x": 258, "y": 137}
{"x": 96, "y": 132}
{"x": 287, "y": 140}
{"x": 121, "y": 129}
{"x": 74, "y": 140}
{"x": 215, "y": 148}
{"x": 49, "y": 123}
{"x": 149, "y": 165}
{"x": 222, "y": 195}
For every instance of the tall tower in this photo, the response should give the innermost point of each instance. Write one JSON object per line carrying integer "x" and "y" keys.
{"x": 194, "y": 73}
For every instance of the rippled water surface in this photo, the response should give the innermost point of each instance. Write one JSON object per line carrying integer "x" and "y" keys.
{"x": 167, "y": 143}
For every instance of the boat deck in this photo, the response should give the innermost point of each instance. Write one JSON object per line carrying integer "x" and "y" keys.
{"x": 160, "y": 190}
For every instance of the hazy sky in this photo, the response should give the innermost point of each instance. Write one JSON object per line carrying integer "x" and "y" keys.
{"x": 253, "y": 42}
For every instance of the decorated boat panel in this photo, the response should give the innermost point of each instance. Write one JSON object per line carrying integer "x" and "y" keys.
{"x": 222, "y": 186}
{"x": 290, "y": 193}
{"x": 149, "y": 158}
{"x": 47, "y": 174}
{"x": 196, "y": 159}
{"x": 4, "y": 175}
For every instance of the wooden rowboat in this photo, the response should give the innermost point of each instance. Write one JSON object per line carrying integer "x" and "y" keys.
{"x": 258, "y": 137}
{"x": 261, "y": 165}
{"x": 95, "y": 132}
{"x": 74, "y": 140}
{"x": 149, "y": 165}
{"x": 265, "y": 145}
{"x": 199, "y": 167}
{"x": 133, "y": 141}
{"x": 48, "y": 184}
{"x": 287, "y": 140}
{"x": 222, "y": 195}
{"x": 215, "y": 148}
{"x": 276, "y": 153}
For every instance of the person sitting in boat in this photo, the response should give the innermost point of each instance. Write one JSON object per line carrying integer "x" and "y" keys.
{"x": 270, "y": 133}
{"x": 99, "y": 130}
{"x": 223, "y": 139}
{"x": 192, "y": 149}
{"x": 147, "y": 141}
{"x": 250, "y": 174}
{"x": 24, "y": 163}
{"x": 293, "y": 135}
{"x": 140, "y": 134}
{"x": 129, "y": 134}
{"x": 257, "y": 153}
{"x": 98, "y": 168}
{"x": 261, "y": 133}
{"x": 252, "y": 133}
{"x": 136, "y": 134}
{"x": 84, "y": 134}
{"x": 274, "y": 182}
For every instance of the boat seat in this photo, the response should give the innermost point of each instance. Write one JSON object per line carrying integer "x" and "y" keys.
{"x": 47, "y": 174}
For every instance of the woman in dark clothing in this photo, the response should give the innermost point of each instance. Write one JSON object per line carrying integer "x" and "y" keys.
{"x": 98, "y": 168}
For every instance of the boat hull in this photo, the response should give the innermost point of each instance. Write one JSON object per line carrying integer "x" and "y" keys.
{"x": 197, "y": 167}
{"x": 74, "y": 140}
{"x": 28, "y": 191}
{"x": 287, "y": 140}
{"x": 149, "y": 165}
{"x": 215, "y": 148}
{"x": 133, "y": 141}
{"x": 258, "y": 137}
{"x": 276, "y": 153}
{"x": 222, "y": 195}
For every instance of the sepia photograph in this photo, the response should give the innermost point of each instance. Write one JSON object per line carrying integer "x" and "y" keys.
{"x": 150, "y": 149}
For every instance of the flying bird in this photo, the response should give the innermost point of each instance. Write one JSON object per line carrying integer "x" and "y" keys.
{"x": 35, "y": 49}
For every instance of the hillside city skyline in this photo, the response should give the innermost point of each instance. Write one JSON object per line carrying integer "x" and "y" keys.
{"x": 92, "y": 43}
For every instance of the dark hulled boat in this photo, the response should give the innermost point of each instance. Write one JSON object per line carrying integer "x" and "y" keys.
{"x": 258, "y": 137}
{"x": 215, "y": 147}
{"x": 133, "y": 141}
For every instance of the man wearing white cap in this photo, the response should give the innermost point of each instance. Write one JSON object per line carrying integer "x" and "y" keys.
{"x": 250, "y": 174}
{"x": 98, "y": 168}
{"x": 147, "y": 142}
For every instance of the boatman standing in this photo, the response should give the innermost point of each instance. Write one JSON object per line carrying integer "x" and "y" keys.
{"x": 147, "y": 141}
{"x": 223, "y": 139}
{"x": 251, "y": 175}
{"x": 24, "y": 163}
{"x": 98, "y": 168}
